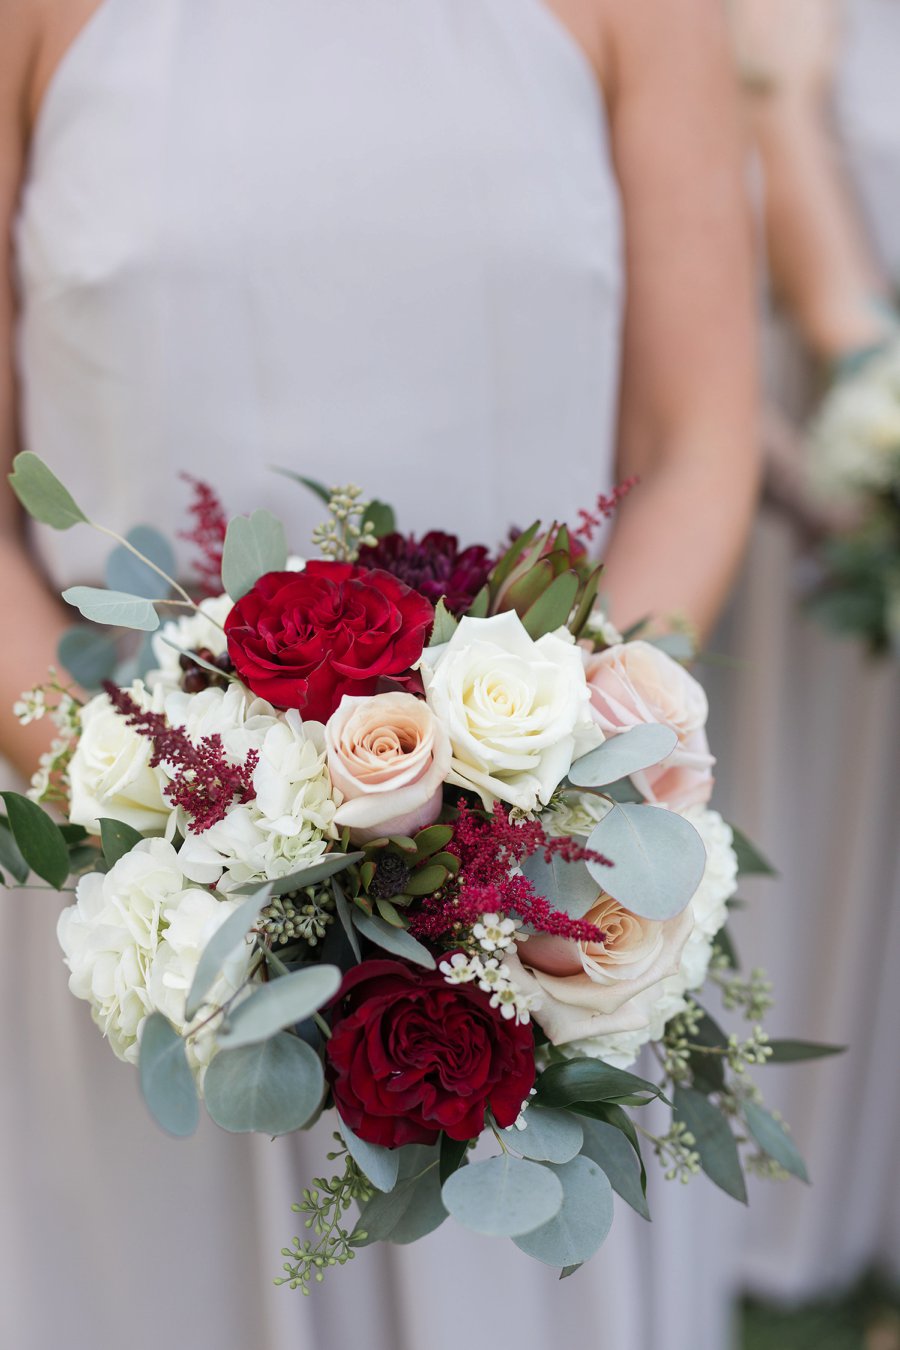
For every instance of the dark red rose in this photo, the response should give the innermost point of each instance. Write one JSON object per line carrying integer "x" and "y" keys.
{"x": 411, "y": 1055}
{"x": 433, "y": 565}
{"x": 304, "y": 639}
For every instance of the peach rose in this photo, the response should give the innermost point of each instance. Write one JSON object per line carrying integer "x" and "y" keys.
{"x": 634, "y": 683}
{"x": 388, "y": 756}
{"x": 593, "y": 988}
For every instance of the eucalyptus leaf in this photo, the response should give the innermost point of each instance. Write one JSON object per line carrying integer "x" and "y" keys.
{"x": 503, "y": 1197}
{"x": 330, "y": 865}
{"x": 117, "y": 839}
{"x": 270, "y": 1088}
{"x": 167, "y": 1083}
{"x": 254, "y": 545}
{"x": 43, "y": 495}
{"x": 445, "y": 625}
{"x": 397, "y": 941}
{"x": 569, "y": 886}
{"x": 583, "y": 1221}
{"x": 713, "y": 1140}
{"x": 774, "y": 1140}
{"x": 425, "y": 1211}
{"x": 380, "y": 1165}
{"x": 37, "y": 838}
{"x": 609, "y": 1148}
{"x": 88, "y": 655}
{"x": 280, "y": 1003}
{"x": 114, "y": 608}
{"x": 223, "y": 943}
{"x": 680, "y": 646}
{"x": 619, "y": 756}
{"x": 590, "y": 1080}
{"x": 128, "y": 573}
{"x": 658, "y": 859}
{"x": 11, "y": 855}
{"x": 750, "y": 861}
{"x": 791, "y": 1052}
{"x": 548, "y": 1136}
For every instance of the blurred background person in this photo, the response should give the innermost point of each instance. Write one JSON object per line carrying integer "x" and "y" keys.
{"x": 812, "y": 721}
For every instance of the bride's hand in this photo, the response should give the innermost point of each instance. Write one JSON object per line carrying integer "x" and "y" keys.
{"x": 786, "y": 44}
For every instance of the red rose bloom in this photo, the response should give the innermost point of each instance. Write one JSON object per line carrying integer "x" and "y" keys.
{"x": 304, "y": 639}
{"x": 411, "y": 1055}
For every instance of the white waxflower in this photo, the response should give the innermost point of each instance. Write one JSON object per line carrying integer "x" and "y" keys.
{"x": 495, "y": 932}
{"x": 188, "y": 634}
{"x": 602, "y": 625}
{"x": 30, "y": 707}
{"x": 460, "y": 969}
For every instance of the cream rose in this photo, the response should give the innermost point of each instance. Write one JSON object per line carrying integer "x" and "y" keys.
{"x": 635, "y": 683}
{"x": 589, "y": 989}
{"x": 388, "y": 757}
{"x": 517, "y": 711}
{"x": 110, "y": 773}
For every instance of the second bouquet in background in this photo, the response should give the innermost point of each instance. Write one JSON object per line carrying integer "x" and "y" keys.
{"x": 410, "y": 833}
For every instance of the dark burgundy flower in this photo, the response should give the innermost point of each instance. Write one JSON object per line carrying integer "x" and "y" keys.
{"x": 304, "y": 639}
{"x": 433, "y": 565}
{"x": 411, "y": 1055}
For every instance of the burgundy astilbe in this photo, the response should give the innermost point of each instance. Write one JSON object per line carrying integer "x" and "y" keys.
{"x": 434, "y": 565}
{"x": 207, "y": 534}
{"x": 488, "y": 847}
{"x": 605, "y": 508}
{"x": 205, "y": 782}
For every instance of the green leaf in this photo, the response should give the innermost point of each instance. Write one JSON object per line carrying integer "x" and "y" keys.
{"x": 271, "y": 1088}
{"x": 479, "y": 606}
{"x": 583, "y": 1221}
{"x": 380, "y": 1165}
{"x": 381, "y": 518}
{"x": 224, "y": 941}
{"x": 750, "y": 861}
{"x": 586, "y": 603}
{"x": 385, "y": 1215}
{"x": 590, "y": 1080}
{"x": 608, "y": 1113}
{"x": 426, "y": 880}
{"x": 117, "y": 839}
{"x": 503, "y": 1197}
{"x": 38, "y": 839}
{"x": 394, "y": 940}
{"x": 43, "y": 495}
{"x": 330, "y": 865}
{"x": 552, "y": 609}
{"x": 425, "y": 1211}
{"x": 570, "y": 1270}
{"x": 508, "y": 560}
{"x": 89, "y": 656}
{"x": 167, "y": 1083}
{"x": 708, "y": 1070}
{"x": 548, "y": 1136}
{"x": 658, "y": 859}
{"x": 11, "y": 855}
{"x": 790, "y": 1052}
{"x": 346, "y": 918}
{"x": 453, "y": 1155}
{"x": 774, "y": 1140}
{"x": 569, "y": 886}
{"x": 254, "y": 545}
{"x": 318, "y": 489}
{"x": 433, "y": 839}
{"x": 714, "y": 1141}
{"x": 280, "y": 1003}
{"x": 445, "y": 625}
{"x": 610, "y": 1149}
{"x": 125, "y": 572}
{"x": 113, "y": 608}
{"x": 619, "y": 756}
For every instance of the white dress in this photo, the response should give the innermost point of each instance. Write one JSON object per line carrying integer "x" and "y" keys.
{"x": 377, "y": 243}
{"x": 813, "y": 729}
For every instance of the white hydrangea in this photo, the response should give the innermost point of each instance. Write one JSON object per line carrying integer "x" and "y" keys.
{"x": 575, "y": 813}
{"x": 189, "y": 633}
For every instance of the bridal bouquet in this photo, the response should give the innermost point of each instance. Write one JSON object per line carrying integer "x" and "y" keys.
{"x": 408, "y": 834}
{"x": 856, "y": 463}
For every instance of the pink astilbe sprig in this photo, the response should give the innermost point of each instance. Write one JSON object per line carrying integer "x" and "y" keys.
{"x": 489, "y": 847}
{"x": 606, "y": 506}
{"x": 207, "y": 534}
{"x": 205, "y": 782}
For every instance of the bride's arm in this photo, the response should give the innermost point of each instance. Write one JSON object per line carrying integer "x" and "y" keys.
{"x": 688, "y": 422}
{"x": 31, "y": 620}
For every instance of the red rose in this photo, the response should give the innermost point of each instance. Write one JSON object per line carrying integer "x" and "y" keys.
{"x": 304, "y": 639}
{"x": 411, "y": 1055}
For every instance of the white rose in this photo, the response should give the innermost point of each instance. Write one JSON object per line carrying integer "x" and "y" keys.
{"x": 188, "y": 634}
{"x": 111, "y": 934}
{"x": 110, "y": 774}
{"x": 517, "y": 711}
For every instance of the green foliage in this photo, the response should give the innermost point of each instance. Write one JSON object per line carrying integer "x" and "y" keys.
{"x": 622, "y": 755}
{"x": 774, "y": 1140}
{"x": 271, "y": 1088}
{"x": 11, "y": 855}
{"x": 749, "y": 859}
{"x": 89, "y": 656}
{"x": 573, "y": 1081}
{"x": 113, "y": 608}
{"x": 325, "y": 1203}
{"x": 553, "y": 606}
{"x": 38, "y": 840}
{"x": 610, "y": 1149}
{"x": 445, "y": 625}
{"x": 254, "y": 545}
{"x": 129, "y": 573}
{"x": 280, "y": 1003}
{"x": 569, "y": 886}
{"x": 223, "y": 943}
{"x": 790, "y": 1052}
{"x": 167, "y": 1083}
{"x": 658, "y": 859}
{"x": 713, "y": 1140}
{"x": 548, "y": 1135}
{"x": 43, "y": 495}
{"x": 397, "y": 941}
{"x": 503, "y": 1196}
{"x": 117, "y": 839}
{"x": 380, "y": 518}
{"x": 452, "y": 1155}
{"x": 381, "y": 1166}
{"x": 583, "y": 1221}
{"x": 330, "y": 866}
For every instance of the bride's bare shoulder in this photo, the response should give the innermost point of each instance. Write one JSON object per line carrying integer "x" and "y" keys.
{"x": 34, "y": 37}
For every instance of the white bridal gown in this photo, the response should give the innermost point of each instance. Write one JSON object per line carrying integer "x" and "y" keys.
{"x": 377, "y": 243}
{"x": 813, "y": 728}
